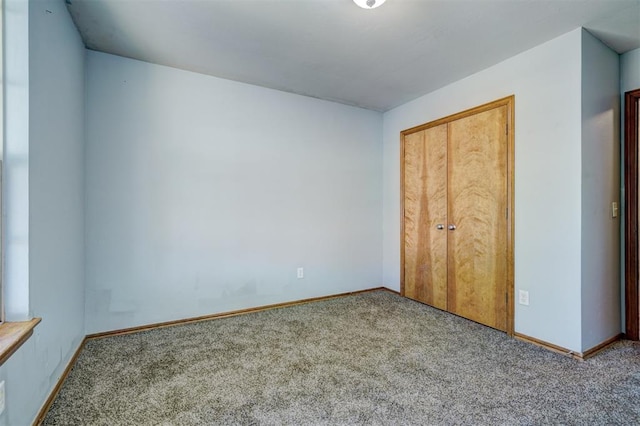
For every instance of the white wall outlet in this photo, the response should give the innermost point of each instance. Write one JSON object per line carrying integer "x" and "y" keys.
{"x": 614, "y": 210}
{"x": 523, "y": 297}
{"x": 2, "y": 397}
{"x": 300, "y": 272}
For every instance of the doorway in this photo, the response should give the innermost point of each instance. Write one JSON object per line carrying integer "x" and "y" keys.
{"x": 631, "y": 138}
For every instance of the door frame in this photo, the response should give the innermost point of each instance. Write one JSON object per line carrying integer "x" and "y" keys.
{"x": 509, "y": 102}
{"x": 632, "y": 303}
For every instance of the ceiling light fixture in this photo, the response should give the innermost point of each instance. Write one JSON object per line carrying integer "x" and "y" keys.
{"x": 369, "y": 4}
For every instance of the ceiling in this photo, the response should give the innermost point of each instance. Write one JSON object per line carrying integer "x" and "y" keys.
{"x": 332, "y": 49}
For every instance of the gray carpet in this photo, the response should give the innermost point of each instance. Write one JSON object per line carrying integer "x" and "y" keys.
{"x": 373, "y": 358}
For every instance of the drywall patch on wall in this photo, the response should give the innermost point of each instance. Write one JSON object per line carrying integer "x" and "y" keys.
{"x": 205, "y": 195}
{"x": 546, "y": 83}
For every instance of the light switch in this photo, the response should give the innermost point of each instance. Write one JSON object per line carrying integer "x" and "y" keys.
{"x": 614, "y": 210}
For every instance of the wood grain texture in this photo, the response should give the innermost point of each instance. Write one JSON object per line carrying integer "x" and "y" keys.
{"x": 632, "y": 264}
{"x": 508, "y": 103}
{"x": 477, "y": 206}
{"x": 13, "y": 335}
{"x": 425, "y": 206}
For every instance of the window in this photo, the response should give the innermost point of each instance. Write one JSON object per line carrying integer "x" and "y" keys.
{"x": 12, "y": 334}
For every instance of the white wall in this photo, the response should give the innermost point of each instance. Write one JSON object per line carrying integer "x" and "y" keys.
{"x": 546, "y": 83}
{"x": 56, "y": 220}
{"x": 600, "y": 187}
{"x": 204, "y": 195}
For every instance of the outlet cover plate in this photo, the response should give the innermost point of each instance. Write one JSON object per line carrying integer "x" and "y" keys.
{"x": 523, "y": 297}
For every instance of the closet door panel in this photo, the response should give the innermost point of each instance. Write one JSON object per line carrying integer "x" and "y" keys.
{"x": 477, "y": 203}
{"x": 425, "y": 207}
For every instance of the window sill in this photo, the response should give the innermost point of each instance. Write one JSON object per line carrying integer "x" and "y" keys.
{"x": 13, "y": 335}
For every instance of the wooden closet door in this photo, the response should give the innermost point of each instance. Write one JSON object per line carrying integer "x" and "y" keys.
{"x": 477, "y": 207}
{"x": 425, "y": 207}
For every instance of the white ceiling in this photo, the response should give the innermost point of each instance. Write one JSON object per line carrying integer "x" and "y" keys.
{"x": 331, "y": 49}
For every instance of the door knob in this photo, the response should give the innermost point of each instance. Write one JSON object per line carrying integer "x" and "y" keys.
{"x": 440, "y": 226}
{"x": 452, "y": 227}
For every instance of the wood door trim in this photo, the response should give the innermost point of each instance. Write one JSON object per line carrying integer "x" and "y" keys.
{"x": 511, "y": 161}
{"x": 402, "y": 226}
{"x": 632, "y": 308}
{"x": 509, "y": 102}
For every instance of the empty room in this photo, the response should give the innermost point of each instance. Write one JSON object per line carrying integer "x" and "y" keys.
{"x": 320, "y": 212}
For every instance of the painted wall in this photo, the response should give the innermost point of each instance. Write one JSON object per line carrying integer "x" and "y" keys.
{"x": 630, "y": 71}
{"x": 204, "y": 195}
{"x": 56, "y": 200}
{"x": 600, "y": 187}
{"x": 16, "y": 161}
{"x": 546, "y": 83}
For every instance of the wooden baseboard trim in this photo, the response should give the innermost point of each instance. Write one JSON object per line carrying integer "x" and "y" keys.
{"x": 389, "y": 290}
{"x": 549, "y": 346}
{"x": 56, "y": 389}
{"x": 594, "y": 350}
{"x": 225, "y": 314}
{"x": 581, "y": 356}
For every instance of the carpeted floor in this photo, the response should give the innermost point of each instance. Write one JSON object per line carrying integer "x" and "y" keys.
{"x": 372, "y": 358}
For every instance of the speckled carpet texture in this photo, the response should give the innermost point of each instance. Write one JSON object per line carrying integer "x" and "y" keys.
{"x": 372, "y": 358}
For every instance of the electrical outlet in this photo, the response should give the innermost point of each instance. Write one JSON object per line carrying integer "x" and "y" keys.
{"x": 614, "y": 210}
{"x": 2, "y": 397}
{"x": 300, "y": 272}
{"x": 523, "y": 297}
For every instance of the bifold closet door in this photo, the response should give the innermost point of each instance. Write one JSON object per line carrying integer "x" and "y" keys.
{"x": 457, "y": 241}
{"x": 425, "y": 209}
{"x": 477, "y": 208}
